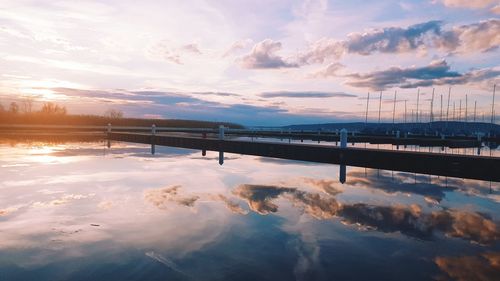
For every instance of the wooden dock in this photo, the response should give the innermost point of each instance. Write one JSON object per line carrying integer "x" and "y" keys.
{"x": 319, "y": 136}
{"x": 450, "y": 165}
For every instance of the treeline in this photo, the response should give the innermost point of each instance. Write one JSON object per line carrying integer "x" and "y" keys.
{"x": 54, "y": 114}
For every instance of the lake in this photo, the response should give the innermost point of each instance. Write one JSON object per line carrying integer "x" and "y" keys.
{"x": 81, "y": 211}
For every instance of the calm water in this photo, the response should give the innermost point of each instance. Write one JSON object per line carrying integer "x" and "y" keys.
{"x": 80, "y": 211}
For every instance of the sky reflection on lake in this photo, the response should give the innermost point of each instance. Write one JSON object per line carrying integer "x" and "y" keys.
{"x": 80, "y": 211}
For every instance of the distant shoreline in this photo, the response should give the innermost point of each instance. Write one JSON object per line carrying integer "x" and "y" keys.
{"x": 37, "y": 118}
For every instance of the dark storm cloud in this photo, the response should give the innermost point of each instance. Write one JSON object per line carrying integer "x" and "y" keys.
{"x": 305, "y": 94}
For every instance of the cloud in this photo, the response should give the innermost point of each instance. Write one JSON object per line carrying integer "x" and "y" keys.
{"x": 330, "y": 71}
{"x": 483, "y": 267}
{"x": 386, "y": 40}
{"x": 436, "y": 73}
{"x": 314, "y": 204}
{"x": 328, "y": 186}
{"x": 192, "y": 48}
{"x": 263, "y": 56}
{"x": 162, "y": 196}
{"x": 321, "y": 50}
{"x": 409, "y": 220}
{"x": 64, "y": 199}
{"x": 163, "y": 50}
{"x": 483, "y": 36}
{"x": 259, "y": 197}
{"x": 236, "y": 46}
{"x": 190, "y": 105}
{"x": 9, "y": 210}
{"x": 473, "y": 4}
{"x": 220, "y": 94}
{"x": 495, "y": 9}
{"x": 232, "y": 206}
{"x": 413, "y": 222}
{"x": 392, "y": 39}
{"x": 305, "y": 94}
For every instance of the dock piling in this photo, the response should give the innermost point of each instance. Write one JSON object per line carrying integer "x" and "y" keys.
{"x": 109, "y": 131}
{"x": 153, "y": 133}
{"x": 221, "y": 137}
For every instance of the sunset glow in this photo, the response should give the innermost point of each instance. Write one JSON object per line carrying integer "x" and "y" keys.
{"x": 223, "y": 57}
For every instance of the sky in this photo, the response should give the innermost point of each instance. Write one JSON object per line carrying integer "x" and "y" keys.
{"x": 253, "y": 62}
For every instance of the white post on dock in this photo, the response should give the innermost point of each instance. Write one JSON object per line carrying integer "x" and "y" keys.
{"x": 343, "y": 138}
{"x": 221, "y": 132}
{"x": 153, "y": 133}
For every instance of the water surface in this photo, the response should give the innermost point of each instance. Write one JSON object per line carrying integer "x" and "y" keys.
{"x": 80, "y": 211}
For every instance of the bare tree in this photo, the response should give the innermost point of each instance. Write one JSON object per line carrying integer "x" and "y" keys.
{"x": 27, "y": 105}
{"x": 14, "y": 107}
{"x": 53, "y": 109}
{"x": 113, "y": 114}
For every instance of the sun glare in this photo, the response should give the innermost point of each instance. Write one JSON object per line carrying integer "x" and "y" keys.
{"x": 44, "y": 154}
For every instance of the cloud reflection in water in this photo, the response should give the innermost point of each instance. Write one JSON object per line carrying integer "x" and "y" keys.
{"x": 409, "y": 220}
{"x": 101, "y": 209}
